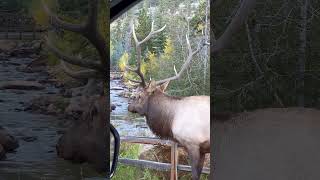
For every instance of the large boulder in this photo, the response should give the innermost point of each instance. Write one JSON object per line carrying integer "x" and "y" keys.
{"x": 7, "y": 142}
{"x": 86, "y": 140}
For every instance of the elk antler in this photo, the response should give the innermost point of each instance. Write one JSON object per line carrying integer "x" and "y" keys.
{"x": 225, "y": 39}
{"x": 186, "y": 64}
{"x": 138, "y": 50}
{"x": 88, "y": 29}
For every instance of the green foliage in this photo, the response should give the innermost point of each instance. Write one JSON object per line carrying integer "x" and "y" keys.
{"x": 156, "y": 44}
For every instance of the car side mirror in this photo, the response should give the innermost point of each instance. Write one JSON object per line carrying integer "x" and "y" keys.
{"x": 114, "y": 149}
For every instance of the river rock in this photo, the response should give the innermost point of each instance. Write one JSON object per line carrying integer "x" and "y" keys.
{"x": 50, "y": 104}
{"x": 8, "y": 142}
{"x": 52, "y": 109}
{"x": 7, "y": 46}
{"x": 86, "y": 140}
{"x": 21, "y": 85}
{"x": 112, "y": 107}
{"x": 23, "y": 52}
{"x": 29, "y": 138}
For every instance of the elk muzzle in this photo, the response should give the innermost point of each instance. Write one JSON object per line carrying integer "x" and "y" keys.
{"x": 131, "y": 108}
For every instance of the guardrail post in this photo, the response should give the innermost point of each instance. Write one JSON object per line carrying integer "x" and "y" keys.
{"x": 174, "y": 161}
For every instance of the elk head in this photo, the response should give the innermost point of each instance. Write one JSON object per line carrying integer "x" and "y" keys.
{"x": 139, "y": 103}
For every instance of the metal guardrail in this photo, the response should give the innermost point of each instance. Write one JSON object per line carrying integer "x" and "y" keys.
{"x": 173, "y": 167}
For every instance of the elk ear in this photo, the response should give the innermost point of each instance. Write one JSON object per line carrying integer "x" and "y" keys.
{"x": 151, "y": 87}
{"x": 164, "y": 86}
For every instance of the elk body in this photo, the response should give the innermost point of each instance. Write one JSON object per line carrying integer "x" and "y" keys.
{"x": 275, "y": 143}
{"x": 185, "y": 120}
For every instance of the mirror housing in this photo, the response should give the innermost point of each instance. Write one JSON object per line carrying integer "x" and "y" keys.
{"x": 114, "y": 150}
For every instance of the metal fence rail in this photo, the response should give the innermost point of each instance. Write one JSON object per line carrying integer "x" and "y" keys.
{"x": 173, "y": 167}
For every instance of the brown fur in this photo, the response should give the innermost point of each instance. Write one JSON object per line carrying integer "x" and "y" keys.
{"x": 159, "y": 117}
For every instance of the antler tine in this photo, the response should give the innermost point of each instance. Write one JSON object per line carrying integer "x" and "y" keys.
{"x": 188, "y": 44}
{"x": 152, "y": 32}
{"x": 186, "y": 64}
{"x": 134, "y": 34}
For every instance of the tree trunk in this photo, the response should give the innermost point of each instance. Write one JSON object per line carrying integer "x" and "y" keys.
{"x": 302, "y": 50}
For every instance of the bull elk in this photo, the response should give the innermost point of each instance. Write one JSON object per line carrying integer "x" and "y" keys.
{"x": 185, "y": 120}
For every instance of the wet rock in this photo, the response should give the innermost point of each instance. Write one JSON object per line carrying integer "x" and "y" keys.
{"x": 26, "y": 69}
{"x": 29, "y": 138}
{"x": 41, "y": 104}
{"x": 18, "y": 91}
{"x": 14, "y": 63}
{"x": 40, "y": 61}
{"x": 31, "y": 79}
{"x": 18, "y": 109}
{"x": 52, "y": 109}
{"x": 21, "y": 85}
{"x": 85, "y": 141}
{"x": 23, "y": 51}
{"x": 112, "y": 107}
{"x": 8, "y": 142}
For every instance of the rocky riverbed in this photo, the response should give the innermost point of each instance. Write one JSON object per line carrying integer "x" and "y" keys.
{"x": 32, "y": 107}
{"x": 127, "y": 124}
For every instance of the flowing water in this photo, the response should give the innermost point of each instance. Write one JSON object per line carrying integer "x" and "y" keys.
{"x": 127, "y": 124}
{"x": 35, "y": 158}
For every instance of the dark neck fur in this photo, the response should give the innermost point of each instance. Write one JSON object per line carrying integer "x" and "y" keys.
{"x": 160, "y": 114}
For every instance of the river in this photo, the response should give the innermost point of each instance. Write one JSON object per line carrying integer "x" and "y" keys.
{"x": 37, "y": 134}
{"x": 127, "y": 124}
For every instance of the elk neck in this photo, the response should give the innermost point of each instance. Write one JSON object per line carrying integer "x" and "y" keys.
{"x": 160, "y": 114}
